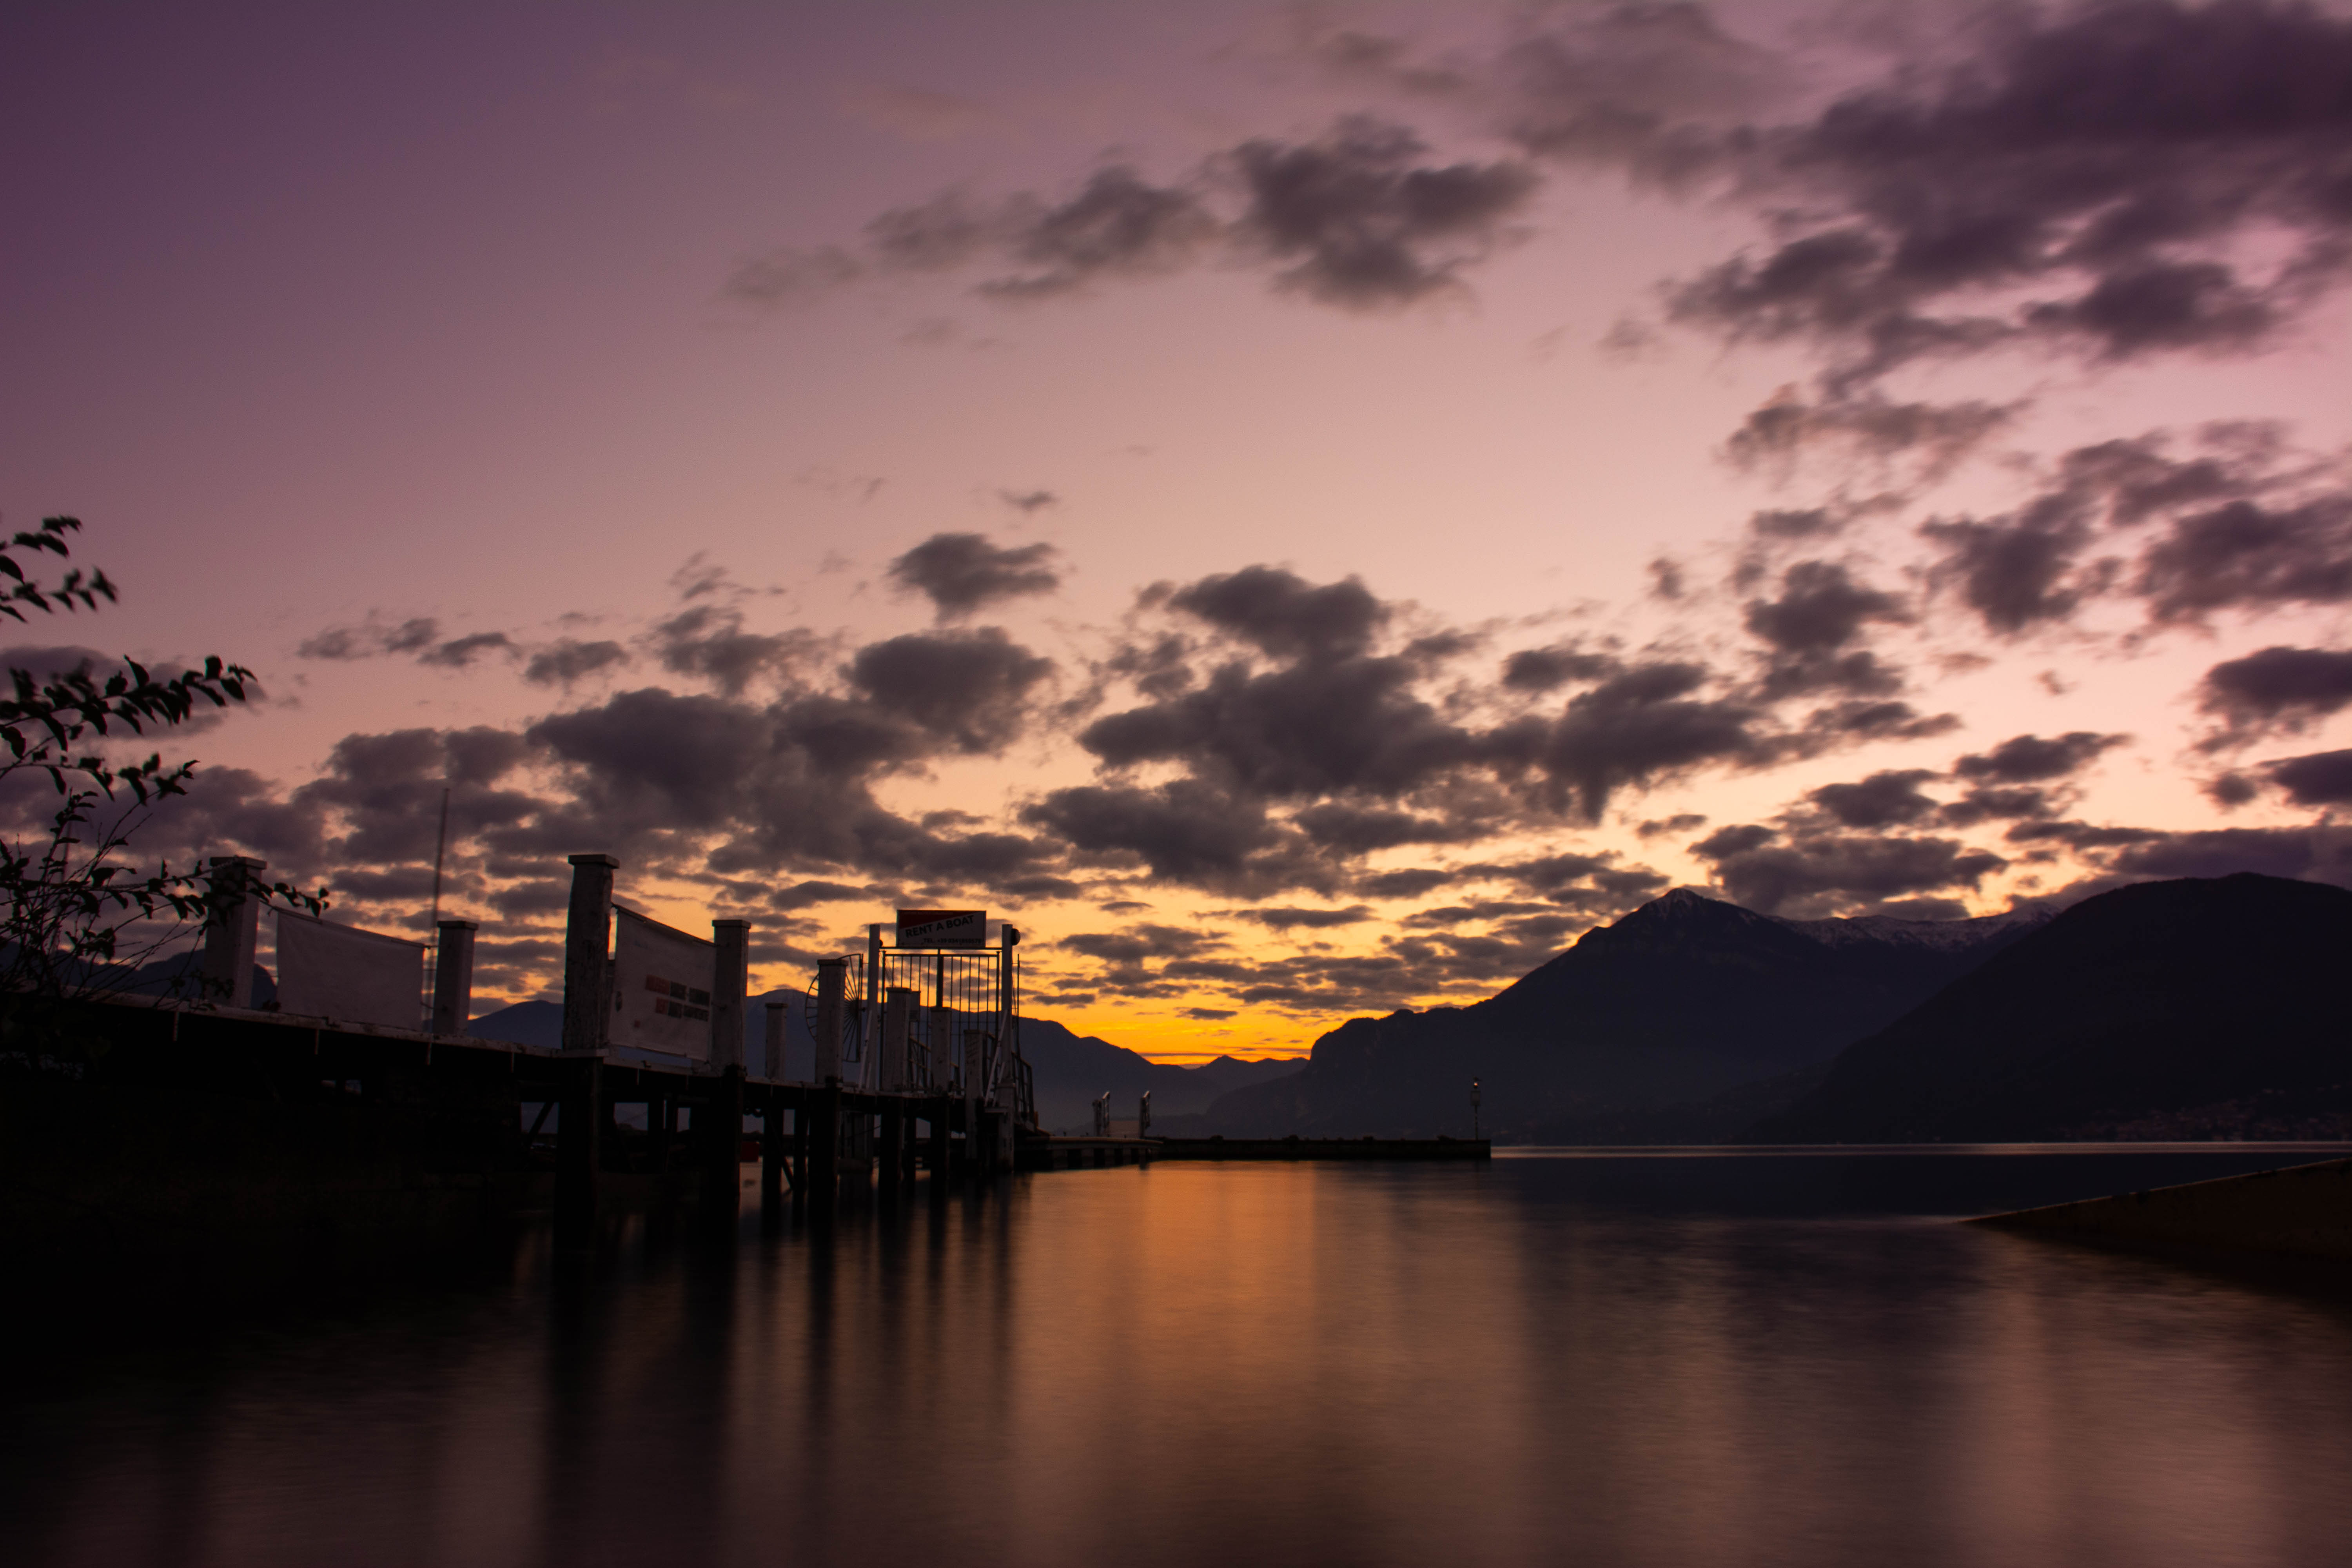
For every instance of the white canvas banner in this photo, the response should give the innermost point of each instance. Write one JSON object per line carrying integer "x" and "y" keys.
{"x": 327, "y": 970}
{"x": 661, "y": 987}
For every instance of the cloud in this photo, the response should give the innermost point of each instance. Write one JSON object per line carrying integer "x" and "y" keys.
{"x": 963, "y": 572}
{"x": 1811, "y": 628}
{"x": 1889, "y": 798}
{"x": 1549, "y": 669}
{"x": 2323, "y": 778}
{"x": 1866, "y": 426}
{"x": 2274, "y": 689}
{"x": 2025, "y": 759}
{"x": 1028, "y": 502}
{"x": 2090, "y": 180}
{"x": 1634, "y": 730}
{"x": 459, "y": 653}
{"x": 1182, "y": 831}
{"x": 1360, "y": 217}
{"x": 1826, "y": 872}
{"x": 970, "y": 690}
{"x": 567, "y": 661}
{"x": 1289, "y": 918}
{"x": 1357, "y": 220}
{"x": 2019, "y": 572}
{"x": 707, "y": 642}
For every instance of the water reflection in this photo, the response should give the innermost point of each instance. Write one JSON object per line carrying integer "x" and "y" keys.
{"x": 1723, "y": 1362}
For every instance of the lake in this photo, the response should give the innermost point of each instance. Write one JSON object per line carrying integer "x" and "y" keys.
{"x": 1600, "y": 1357}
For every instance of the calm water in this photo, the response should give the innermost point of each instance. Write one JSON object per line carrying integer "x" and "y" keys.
{"x": 1743, "y": 1358}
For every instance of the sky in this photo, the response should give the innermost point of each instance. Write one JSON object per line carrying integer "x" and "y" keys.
{"x": 1302, "y": 508}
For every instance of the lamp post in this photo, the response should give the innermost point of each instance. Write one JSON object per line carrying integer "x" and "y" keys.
{"x": 1474, "y": 1108}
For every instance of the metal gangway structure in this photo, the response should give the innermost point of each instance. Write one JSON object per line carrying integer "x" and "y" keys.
{"x": 930, "y": 1013}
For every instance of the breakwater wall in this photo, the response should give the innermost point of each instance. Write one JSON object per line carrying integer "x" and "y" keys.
{"x": 2303, "y": 1211}
{"x": 1325, "y": 1149}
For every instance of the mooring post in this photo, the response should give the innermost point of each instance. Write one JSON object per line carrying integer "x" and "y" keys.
{"x": 832, "y": 984}
{"x": 587, "y": 946}
{"x": 453, "y": 976}
{"x": 730, "y": 980}
{"x": 232, "y": 930}
{"x": 579, "y": 1151}
{"x": 773, "y": 1068}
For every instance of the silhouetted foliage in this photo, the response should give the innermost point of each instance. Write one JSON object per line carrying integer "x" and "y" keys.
{"x": 81, "y": 917}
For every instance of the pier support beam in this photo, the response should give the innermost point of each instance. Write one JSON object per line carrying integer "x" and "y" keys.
{"x": 772, "y": 1153}
{"x": 718, "y": 1137}
{"x": 822, "y": 1110}
{"x": 943, "y": 1146}
{"x": 892, "y": 1152}
{"x": 579, "y": 1152}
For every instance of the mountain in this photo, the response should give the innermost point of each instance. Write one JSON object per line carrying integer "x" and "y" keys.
{"x": 2157, "y": 1008}
{"x": 1067, "y": 1070}
{"x": 1632, "y": 1030}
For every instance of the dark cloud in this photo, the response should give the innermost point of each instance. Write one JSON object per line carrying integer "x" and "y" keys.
{"x": 1823, "y": 873}
{"x": 1288, "y": 918}
{"x": 961, "y": 573}
{"x": 419, "y": 634}
{"x": 2275, "y": 690}
{"x": 707, "y": 642}
{"x": 2323, "y": 778}
{"x": 1932, "y": 436}
{"x": 2087, "y": 179}
{"x": 2027, "y": 759}
{"x": 1549, "y": 668}
{"x": 1359, "y": 830}
{"x": 1811, "y": 628}
{"x": 1028, "y": 502}
{"x": 969, "y": 690}
{"x": 1119, "y": 225}
{"x": 1184, "y": 831}
{"x": 2249, "y": 556}
{"x": 2322, "y": 853}
{"x": 1283, "y": 615}
{"x": 2021, "y": 571}
{"x": 459, "y": 653}
{"x": 1889, "y": 798}
{"x": 568, "y": 661}
{"x": 1358, "y": 220}
{"x": 1334, "y": 719}
{"x": 1411, "y": 882}
{"x": 1682, "y": 822}
{"x": 1633, "y": 729}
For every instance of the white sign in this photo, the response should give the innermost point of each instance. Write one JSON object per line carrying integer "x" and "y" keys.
{"x": 327, "y": 970}
{"x": 661, "y": 987}
{"x": 942, "y": 927}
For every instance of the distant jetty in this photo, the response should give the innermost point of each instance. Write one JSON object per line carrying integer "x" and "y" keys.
{"x": 2303, "y": 1211}
{"x": 1367, "y": 1148}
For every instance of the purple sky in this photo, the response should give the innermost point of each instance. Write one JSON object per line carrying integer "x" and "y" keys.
{"x": 1303, "y": 509}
